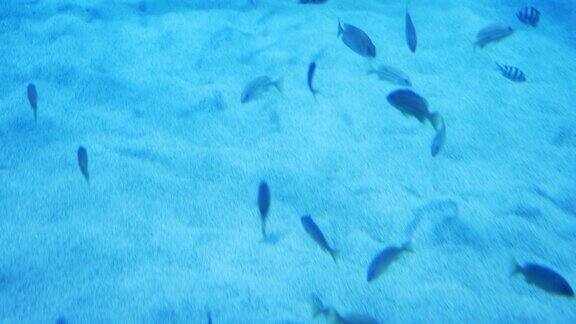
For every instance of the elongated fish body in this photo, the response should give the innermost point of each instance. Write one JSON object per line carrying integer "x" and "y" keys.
{"x": 382, "y": 260}
{"x": 263, "y": 204}
{"x": 33, "y": 99}
{"x": 439, "y": 139}
{"x": 357, "y": 40}
{"x": 410, "y": 104}
{"x": 410, "y": 33}
{"x": 257, "y": 87}
{"x": 392, "y": 75}
{"x": 492, "y": 33}
{"x": 311, "y": 71}
{"x": 529, "y": 16}
{"x": 83, "y": 162}
{"x": 333, "y": 317}
{"x": 314, "y": 231}
{"x": 544, "y": 278}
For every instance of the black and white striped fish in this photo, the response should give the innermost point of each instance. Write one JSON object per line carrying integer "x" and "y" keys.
{"x": 511, "y": 72}
{"x": 529, "y": 16}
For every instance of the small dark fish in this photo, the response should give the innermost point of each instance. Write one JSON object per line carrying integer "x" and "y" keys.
{"x": 314, "y": 231}
{"x": 264, "y": 204}
{"x": 357, "y": 40}
{"x": 382, "y": 260}
{"x": 529, "y": 16}
{"x": 333, "y": 317}
{"x": 544, "y": 278}
{"x": 410, "y": 33}
{"x": 311, "y": 70}
{"x": 492, "y": 33}
{"x": 411, "y": 104}
{"x": 83, "y": 162}
{"x": 511, "y": 72}
{"x": 33, "y": 99}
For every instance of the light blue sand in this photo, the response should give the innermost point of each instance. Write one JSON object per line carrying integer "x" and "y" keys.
{"x": 168, "y": 226}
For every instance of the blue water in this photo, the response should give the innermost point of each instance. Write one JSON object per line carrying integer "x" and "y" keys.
{"x": 161, "y": 220}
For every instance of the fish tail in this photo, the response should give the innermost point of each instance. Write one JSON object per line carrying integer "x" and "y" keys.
{"x": 407, "y": 246}
{"x": 436, "y": 120}
{"x": 317, "y": 306}
{"x": 515, "y": 267}
{"x": 263, "y": 231}
{"x": 340, "y": 30}
{"x": 335, "y": 254}
{"x": 279, "y": 85}
{"x": 499, "y": 67}
{"x": 314, "y": 94}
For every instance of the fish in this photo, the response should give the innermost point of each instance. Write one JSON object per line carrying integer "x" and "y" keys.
{"x": 412, "y": 104}
{"x": 314, "y": 231}
{"x": 511, "y": 72}
{"x": 258, "y": 86}
{"x": 83, "y": 162}
{"x": 544, "y": 278}
{"x": 357, "y": 40}
{"x": 392, "y": 75}
{"x": 529, "y": 16}
{"x": 263, "y": 205}
{"x": 439, "y": 138}
{"x": 333, "y": 317}
{"x": 61, "y": 320}
{"x": 384, "y": 258}
{"x": 492, "y": 33}
{"x": 33, "y": 99}
{"x": 311, "y": 70}
{"x": 410, "y": 33}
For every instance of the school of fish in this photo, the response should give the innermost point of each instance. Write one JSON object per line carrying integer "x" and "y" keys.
{"x": 410, "y": 104}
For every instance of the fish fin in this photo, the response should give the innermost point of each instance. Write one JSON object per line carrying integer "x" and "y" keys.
{"x": 279, "y": 85}
{"x": 436, "y": 120}
{"x": 515, "y": 267}
{"x": 317, "y": 306}
{"x": 340, "y": 30}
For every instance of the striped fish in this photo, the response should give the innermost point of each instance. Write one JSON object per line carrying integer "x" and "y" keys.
{"x": 511, "y": 72}
{"x": 529, "y": 16}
